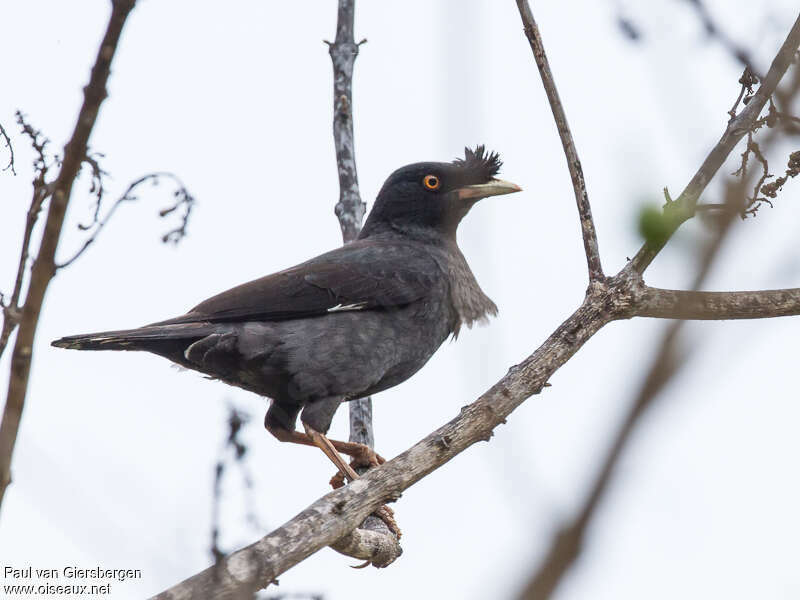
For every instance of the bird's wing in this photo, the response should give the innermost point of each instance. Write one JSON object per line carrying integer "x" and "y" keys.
{"x": 362, "y": 275}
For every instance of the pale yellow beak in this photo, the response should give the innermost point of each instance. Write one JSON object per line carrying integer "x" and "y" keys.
{"x": 496, "y": 187}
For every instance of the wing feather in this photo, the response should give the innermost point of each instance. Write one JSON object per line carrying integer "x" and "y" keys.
{"x": 363, "y": 275}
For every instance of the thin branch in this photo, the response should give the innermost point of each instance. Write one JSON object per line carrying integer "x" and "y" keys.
{"x": 748, "y": 80}
{"x": 44, "y": 265}
{"x": 683, "y": 208}
{"x": 570, "y": 152}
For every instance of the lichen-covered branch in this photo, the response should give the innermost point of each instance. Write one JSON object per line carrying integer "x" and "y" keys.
{"x": 570, "y": 152}
{"x": 350, "y": 209}
{"x": 44, "y": 266}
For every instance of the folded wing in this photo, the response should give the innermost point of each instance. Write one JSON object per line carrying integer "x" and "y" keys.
{"x": 362, "y": 275}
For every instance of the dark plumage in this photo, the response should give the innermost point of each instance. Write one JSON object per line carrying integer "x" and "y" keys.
{"x": 348, "y": 323}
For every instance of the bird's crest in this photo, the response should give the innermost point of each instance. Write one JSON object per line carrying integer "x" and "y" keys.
{"x": 486, "y": 164}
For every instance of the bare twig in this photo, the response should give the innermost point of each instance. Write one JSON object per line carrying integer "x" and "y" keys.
{"x": 97, "y": 188}
{"x": 684, "y": 206}
{"x": 44, "y": 265}
{"x": 234, "y": 452}
{"x": 183, "y": 199}
{"x": 570, "y": 152}
{"x": 748, "y": 80}
{"x": 7, "y": 142}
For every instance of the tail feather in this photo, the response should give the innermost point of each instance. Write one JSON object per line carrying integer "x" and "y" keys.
{"x": 147, "y": 338}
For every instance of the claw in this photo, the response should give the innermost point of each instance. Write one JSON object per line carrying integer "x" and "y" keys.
{"x": 337, "y": 480}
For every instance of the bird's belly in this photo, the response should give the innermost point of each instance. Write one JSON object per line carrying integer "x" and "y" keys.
{"x": 348, "y": 354}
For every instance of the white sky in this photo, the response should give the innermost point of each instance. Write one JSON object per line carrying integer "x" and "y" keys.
{"x": 114, "y": 463}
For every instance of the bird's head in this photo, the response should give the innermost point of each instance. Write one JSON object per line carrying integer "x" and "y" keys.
{"x": 431, "y": 198}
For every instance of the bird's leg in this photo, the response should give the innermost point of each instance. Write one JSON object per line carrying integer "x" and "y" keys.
{"x": 363, "y": 455}
{"x": 384, "y": 513}
{"x": 324, "y": 444}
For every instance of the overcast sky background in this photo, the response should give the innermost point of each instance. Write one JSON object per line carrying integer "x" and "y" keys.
{"x": 114, "y": 463}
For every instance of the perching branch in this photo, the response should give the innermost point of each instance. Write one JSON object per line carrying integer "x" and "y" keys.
{"x": 608, "y": 299}
{"x": 44, "y": 265}
{"x": 570, "y": 152}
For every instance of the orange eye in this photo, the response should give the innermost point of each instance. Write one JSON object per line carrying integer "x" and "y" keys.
{"x": 431, "y": 182}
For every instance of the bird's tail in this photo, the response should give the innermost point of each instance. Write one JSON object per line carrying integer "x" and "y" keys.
{"x": 149, "y": 338}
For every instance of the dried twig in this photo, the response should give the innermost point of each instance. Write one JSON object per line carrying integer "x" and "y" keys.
{"x": 234, "y": 452}
{"x": 570, "y": 152}
{"x": 7, "y": 143}
{"x": 44, "y": 266}
{"x": 183, "y": 200}
{"x": 748, "y": 80}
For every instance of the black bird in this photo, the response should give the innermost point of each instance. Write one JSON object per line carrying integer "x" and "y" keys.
{"x": 348, "y": 323}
